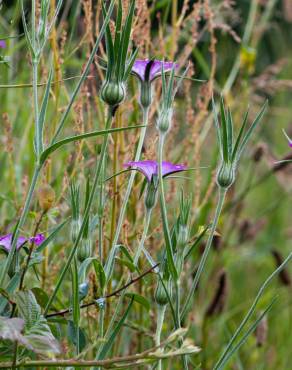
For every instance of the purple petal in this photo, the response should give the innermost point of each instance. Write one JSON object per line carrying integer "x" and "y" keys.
{"x": 148, "y": 168}
{"x": 156, "y": 68}
{"x": 5, "y": 241}
{"x": 2, "y": 44}
{"x": 38, "y": 239}
{"x": 169, "y": 168}
{"x": 139, "y": 68}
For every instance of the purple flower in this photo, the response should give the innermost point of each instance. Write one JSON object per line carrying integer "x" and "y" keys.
{"x": 150, "y": 168}
{"x": 2, "y": 44}
{"x": 6, "y": 241}
{"x": 148, "y": 70}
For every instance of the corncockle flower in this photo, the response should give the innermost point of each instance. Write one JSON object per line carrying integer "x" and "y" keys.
{"x": 150, "y": 171}
{"x": 150, "y": 168}
{"x": 147, "y": 71}
{"x": 6, "y": 241}
{"x": 2, "y": 44}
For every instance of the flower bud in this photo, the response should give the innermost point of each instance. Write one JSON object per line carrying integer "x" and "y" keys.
{"x": 151, "y": 195}
{"x": 226, "y": 175}
{"x": 113, "y": 93}
{"x": 145, "y": 94}
{"x": 75, "y": 227}
{"x": 84, "y": 250}
{"x": 83, "y": 290}
{"x": 183, "y": 235}
{"x": 164, "y": 120}
{"x": 46, "y": 197}
{"x": 160, "y": 295}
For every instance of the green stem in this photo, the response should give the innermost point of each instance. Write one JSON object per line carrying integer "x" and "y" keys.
{"x": 86, "y": 213}
{"x": 221, "y": 198}
{"x": 20, "y": 224}
{"x": 38, "y": 134}
{"x": 160, "y": 319}
{"x": 142, "y": 241}
{"x": 131, "y": 179}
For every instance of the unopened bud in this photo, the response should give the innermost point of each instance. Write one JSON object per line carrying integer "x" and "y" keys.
{"x": 226, "y": 175}
{"x": 160, "y": 294}
{"x": 84, "y": 250}
{"x": 151, "y": 195}
{"x": 164, "y": 120}
{"x": 183, "y": 235}
{"x": 145, "y": 94}
{"x": 113, "y": 93}
{"x": 75, "y": 227}
{"x": 46, "y": 197}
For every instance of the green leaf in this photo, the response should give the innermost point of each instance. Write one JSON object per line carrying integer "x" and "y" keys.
{"x": 41, "y": 296}
{"x": 234, "y": 153}
{"x": 217, "y": 126}
{"x": 229, "y": 133}
{"x": 139, "y": 299}
{"x": 71, "y": 139}
{"x": 125, "y": 40}
{"x": 37, "y": 331}
{"x": 251, "y": 129}
{"x": 109, "y": 47}
{"x": 224, "y": 131}
{"x": 110, "y": 341}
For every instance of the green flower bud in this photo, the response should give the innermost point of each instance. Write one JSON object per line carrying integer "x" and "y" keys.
{"x": 164, "y": 120}
{"x": 183, "y": 236}
{"x": 85, "y": 250}
{"x": 226, "y": 175}
{"x": 113, "y": 93}
{"x": 145, "y": 94}
{"x": 150, "y": 195}
{"x": 160, "y": 295}
{"x": 75, "y": 227}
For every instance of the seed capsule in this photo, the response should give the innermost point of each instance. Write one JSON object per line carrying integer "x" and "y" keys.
{"x": 46, "y": 197}
{"x": 226, "y": 175}
{"x": 113, "y": 93}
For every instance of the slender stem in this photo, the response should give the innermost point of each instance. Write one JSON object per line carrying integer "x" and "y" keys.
{"x": 131, "y": 179}
{"x": 86, "y": 213}
{"x": 160, "y": 319}
{"x": 22, "y": 219}
{"x": 38, "y": 134}
{"x": 142, "y": 240}
{"x": 221, "y": 198}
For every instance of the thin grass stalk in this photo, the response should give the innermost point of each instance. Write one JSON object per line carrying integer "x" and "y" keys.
{"x": 221, "y": 198}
